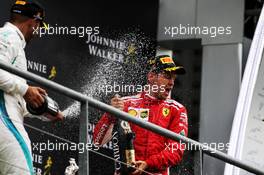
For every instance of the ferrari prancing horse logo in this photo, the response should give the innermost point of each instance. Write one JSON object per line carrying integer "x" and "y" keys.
{"x": 165, "y": 112}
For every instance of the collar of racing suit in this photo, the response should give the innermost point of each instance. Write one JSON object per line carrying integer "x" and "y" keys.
{"x": 14, "y": 28}
{"x": 150, "y": 100}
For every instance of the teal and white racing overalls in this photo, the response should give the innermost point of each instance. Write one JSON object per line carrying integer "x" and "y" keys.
{"x": 15, "y": 147}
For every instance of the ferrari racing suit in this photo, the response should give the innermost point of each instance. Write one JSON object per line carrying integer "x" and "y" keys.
{"x": 159, "y": 152}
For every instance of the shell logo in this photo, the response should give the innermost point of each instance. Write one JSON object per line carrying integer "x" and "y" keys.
{"x": 132, "y": 112}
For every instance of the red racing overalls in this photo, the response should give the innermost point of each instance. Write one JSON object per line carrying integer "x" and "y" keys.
{"x": 159, "y": 152}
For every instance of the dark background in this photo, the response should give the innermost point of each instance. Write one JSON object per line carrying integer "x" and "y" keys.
{"x": 134, "y": 21}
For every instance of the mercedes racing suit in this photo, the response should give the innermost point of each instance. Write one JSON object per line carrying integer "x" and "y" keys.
{"x": 15, "y": 148}
{"x": 159, "y": 152}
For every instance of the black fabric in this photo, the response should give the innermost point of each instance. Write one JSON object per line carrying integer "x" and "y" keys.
{"x": 30, "y": 9}
{"x": 158, "y": 66}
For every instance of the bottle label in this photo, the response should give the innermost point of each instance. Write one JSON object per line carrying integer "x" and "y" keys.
{"x": 130, "y": 156}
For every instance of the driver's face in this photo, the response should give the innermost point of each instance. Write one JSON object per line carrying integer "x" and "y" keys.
{"x": 34, "y": 25}
{"x": 165, "y": 82}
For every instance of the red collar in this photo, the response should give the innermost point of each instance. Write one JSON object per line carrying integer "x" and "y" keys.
{"x": 148, "y": 99}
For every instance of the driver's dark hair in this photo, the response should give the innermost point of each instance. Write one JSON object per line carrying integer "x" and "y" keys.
{"x": 17, "y": 18}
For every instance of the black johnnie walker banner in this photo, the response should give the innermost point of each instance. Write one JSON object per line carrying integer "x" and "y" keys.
{"x": 91, "y": 47}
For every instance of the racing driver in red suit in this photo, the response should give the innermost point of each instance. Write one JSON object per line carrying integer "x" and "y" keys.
{"x": 154, "y": 153}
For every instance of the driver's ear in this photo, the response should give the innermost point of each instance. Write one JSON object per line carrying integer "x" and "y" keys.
{"x": 30, "y": 23}
{"x": 152, "y": 77}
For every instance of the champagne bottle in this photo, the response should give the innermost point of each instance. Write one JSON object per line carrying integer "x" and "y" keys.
{"x": 129, "y": 136}
{"x": 130, "y": 151}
